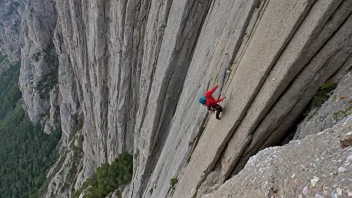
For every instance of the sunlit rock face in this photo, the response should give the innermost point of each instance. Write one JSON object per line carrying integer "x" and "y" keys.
{"x": 128, "y": 75}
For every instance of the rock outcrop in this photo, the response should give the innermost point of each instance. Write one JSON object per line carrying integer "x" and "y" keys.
{"x": 65, "y": 172}
{"x": 270, "y": 85}
{"x": 338, "y": 106}
{"x": 48, "y": 85}
{"x": 315, "y": 166}
{"x": 39, "y": 64}
{"x": 10, "y": 22}
{"x": 128, "y": 76}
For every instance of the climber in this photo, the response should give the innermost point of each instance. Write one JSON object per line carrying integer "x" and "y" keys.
{"x": 211, "y": 103}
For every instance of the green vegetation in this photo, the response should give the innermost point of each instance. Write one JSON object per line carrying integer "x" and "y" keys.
{"x": 173, "y": 183}
{"x": 320, "y": 97}
{"x": 136, "y": 155}
{"x": 49, "y": 80}
{"x": 4, "y": 64}
{"x": 9, "y": 92}
{"x": 45, "y": 85}
{"x": 343, "y": 113}
{"x": 323, "y": 94}
{"x": 2, "y": 58}
{"x": 108, "y": 177}
{"x": 26, "y": 152}
{"x": 195, "y": 195}
{"x": 79, "y": 124}
{"x": 118, "y": 194}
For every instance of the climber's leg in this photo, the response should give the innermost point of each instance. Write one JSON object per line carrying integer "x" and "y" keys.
{"x": 218, "y": 111}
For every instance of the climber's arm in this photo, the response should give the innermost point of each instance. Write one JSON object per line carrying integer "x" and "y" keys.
{"x": 219, "y": 100}
{"x": 210, "y": 92}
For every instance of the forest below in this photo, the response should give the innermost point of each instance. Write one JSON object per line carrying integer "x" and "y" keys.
{"x": 26, "y": 152}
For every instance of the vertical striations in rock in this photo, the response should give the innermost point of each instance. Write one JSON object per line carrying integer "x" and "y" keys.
{"x": 39, "y": 70}
{"x": 212, "y": 55}
{"x": 274, "y": 77}
{"x": 314, "y": 32}
{"x": 125, "y": 69}
{"x": 126, "y": 76}
{"x": 336, "y": 108}
{"x": 71, "y": 116}
{"x": 306, "y": 168}
{"x": 176, "y": 50}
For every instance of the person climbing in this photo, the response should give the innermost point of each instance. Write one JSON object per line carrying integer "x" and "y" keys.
{"x": 211, "y": 103}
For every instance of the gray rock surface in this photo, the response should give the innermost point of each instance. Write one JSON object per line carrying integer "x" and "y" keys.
{"x": 315, "y": 166}
{"x": 38, "y": 77}
{"x": 71, "y": 116}
{"x": 293, "y": 101}
{"x": 4, "y": 64}
{"x": 10, "y": 22}
{"x": 247, "y": 139}
{"x": 128, "y": 75}
{"x": 49, "y": 89}
{"x": 346, "y": 140}
{"x": 63, "y": 175}
{"x": 334, "y": 109}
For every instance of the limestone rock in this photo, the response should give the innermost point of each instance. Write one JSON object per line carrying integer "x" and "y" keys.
{"x": 263, "y": 126}
{"x": 38, "y": 77}
{"x": 127, "y": 75}
{"x": 334, "y": 109}
{"x": 274, "y": 171}
{"x": 10, "y": 22}
{"x": 63, "y": 174}
{"x": 346, "y": 140}
{"x": 238, "y": 133}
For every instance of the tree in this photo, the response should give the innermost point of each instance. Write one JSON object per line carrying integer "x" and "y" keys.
{"x": 108, "y": 177}
{"x": 26, "y": 152}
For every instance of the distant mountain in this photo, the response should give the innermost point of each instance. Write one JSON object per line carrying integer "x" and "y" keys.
{"x": 10, "y": 26}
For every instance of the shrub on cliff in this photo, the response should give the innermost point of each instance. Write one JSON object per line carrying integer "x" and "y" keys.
{"x": 108, "y": 177}
{"x": 323, "y": 94}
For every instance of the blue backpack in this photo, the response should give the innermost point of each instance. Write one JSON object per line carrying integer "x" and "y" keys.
{"x": 202, "y": 100}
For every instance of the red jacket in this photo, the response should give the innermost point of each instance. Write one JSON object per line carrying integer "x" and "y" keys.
{"x": 211, "y": 102}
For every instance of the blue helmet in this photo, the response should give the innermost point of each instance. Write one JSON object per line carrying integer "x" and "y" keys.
{"x": 202, "y": 100}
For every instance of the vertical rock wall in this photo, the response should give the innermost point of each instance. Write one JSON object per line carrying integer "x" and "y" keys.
{"x": 128, "y": 76}
{"x": 39, "y": 79}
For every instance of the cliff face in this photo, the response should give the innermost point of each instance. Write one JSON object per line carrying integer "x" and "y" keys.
{"x": 132, "y": 72}
{"x": 39, "y": 70}
{"x": 315, "y": 164}
{"x": 10, "y": 22}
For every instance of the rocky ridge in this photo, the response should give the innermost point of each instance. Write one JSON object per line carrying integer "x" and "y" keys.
{"x": 39, "y": 65}
{"x": 315, "y": 166}
{"x": 128, "y": 74}
{"x": 338, "y": 106}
